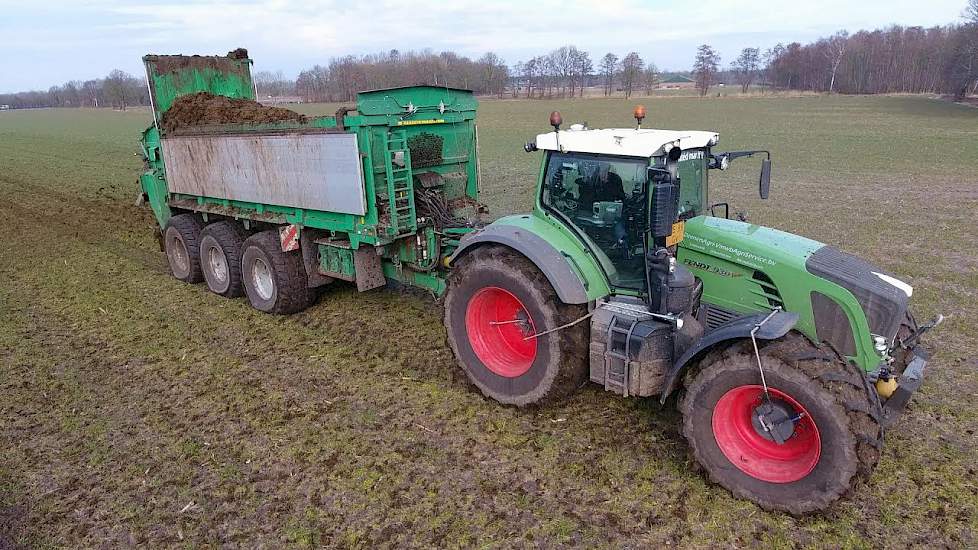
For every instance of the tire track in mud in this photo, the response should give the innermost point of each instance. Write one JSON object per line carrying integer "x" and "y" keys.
{"x": 371, "y": 418}
{"x": 366, "y": 441}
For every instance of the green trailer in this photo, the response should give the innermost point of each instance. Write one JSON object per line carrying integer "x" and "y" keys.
{"x": 791, "y": 356}
{"x": 381, "y": 190}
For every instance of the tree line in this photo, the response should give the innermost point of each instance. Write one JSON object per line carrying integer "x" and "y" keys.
{"x": 892, "y": 60}
{"x": 118, "y": 90}
{"x": 343, "y": 77}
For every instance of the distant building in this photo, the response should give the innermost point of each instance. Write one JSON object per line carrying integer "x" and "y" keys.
{"x": 280, "y": 99}
{"x": 678, "y": 81}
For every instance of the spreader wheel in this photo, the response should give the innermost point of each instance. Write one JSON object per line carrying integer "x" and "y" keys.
{"x": 220, "y": 257}
{"x": 274, "y": 281}
{"x": 181, "y": 239}
{"x": 497, "y": 303}
{"x": 796, "y": 448}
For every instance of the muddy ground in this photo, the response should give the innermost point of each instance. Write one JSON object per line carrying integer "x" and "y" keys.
{"x": 138, "y": 411}
{"x": 202, "y": 108}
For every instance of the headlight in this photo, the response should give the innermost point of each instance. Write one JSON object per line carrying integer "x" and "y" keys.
{"x": 880, "y": 344}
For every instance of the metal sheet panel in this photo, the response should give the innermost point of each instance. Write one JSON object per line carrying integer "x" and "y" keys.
{"x": 315, "y": 171}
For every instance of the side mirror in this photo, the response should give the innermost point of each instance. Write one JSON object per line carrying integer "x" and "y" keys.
{"x": 765, "y": 184}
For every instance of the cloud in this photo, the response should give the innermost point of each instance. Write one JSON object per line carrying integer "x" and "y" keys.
{"x": 51, "y": 42}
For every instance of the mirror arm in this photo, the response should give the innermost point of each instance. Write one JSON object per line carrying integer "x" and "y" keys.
{"x": 731, "y": 155}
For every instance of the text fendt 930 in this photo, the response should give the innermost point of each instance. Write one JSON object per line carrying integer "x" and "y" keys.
{"x": 792, "y": 356}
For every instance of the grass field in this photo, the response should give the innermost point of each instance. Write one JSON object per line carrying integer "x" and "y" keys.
{"x": 139, "y": 411}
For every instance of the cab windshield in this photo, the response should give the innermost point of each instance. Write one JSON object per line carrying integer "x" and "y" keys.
{"x": 605, "y": 198}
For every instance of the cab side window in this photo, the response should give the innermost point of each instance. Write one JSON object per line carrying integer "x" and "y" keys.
{"x": 605, "y": 198}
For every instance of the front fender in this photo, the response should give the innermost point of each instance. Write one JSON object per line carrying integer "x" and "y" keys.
{"x": 777, "y": 326}
{"x": 571, "y": 270}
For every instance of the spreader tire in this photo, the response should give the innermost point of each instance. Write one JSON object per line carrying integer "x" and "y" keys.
{"x": 274, "y": 281}
{"x": 837, "y": 435}
{"x": 492, "y": 287}
{"x": 181, "y": 242}
{"x": 220, "y": 257}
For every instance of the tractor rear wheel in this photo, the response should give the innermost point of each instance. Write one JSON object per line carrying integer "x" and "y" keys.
{"x": 274, "y": 281}
{"x": 220, "y": 257}
{"x": 181, "y": 239}
{"x": 798, "y": 449}
{"x": 497, "y": 302}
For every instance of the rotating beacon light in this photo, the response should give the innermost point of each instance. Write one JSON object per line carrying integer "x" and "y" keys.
{"x": 639, "y": 114}
{"x": 556, "y": 120}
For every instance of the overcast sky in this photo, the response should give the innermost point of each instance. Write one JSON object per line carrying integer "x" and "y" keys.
{"x": 47, "y": 42}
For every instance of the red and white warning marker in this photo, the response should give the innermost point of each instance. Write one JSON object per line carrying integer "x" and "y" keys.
{"x": 289, "y": 237}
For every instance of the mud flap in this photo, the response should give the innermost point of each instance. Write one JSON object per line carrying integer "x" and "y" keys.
{"x": 310, "y": 257}
{"x": 370, "y": 272}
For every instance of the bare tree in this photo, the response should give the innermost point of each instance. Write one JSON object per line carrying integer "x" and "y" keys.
{"x": 651, "y": 77}
{"x": 705, "y": 67}
{"x": 961, "y": 69}
{"x": 631, "y": 71}
{"x": 272, "y": 84}
{"x": 609, "y": 64}
{"x": 91, "y": 89}
{"x": 583, "y": 66}
{"x": 835, "y": 52}
{"x": 532, "y": 68}
{"x": 313, "y": 84}
{"x": 119, "y": 88}
{"x": 971, "y": 12}
{"x": 494, "y": 73}
{"x": 746, "y": 67}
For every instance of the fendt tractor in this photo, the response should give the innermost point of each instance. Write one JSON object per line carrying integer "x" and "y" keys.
{"x": 790, "y": 356}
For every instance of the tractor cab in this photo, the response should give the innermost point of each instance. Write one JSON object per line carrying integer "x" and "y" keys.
{"x": 619, "y": 190}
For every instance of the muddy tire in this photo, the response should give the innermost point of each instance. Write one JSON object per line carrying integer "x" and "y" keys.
{"x": 220, "y": 257}
{"x": 496, "y": 298}
{"x": 274, "y": 281}
{"x": 833, "y": 435}
{"x": 181, "y": 242}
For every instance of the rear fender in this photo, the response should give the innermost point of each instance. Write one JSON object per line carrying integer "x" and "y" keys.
{"x": 777, "y": 326}
{"x": 565, "y": 273}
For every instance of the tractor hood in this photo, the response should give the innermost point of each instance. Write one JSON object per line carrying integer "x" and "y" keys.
{"x": 838, "y": 296}
{"x": 746, "y": 244}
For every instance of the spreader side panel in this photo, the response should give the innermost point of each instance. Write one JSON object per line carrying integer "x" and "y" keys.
{"x": 313, "y": 171}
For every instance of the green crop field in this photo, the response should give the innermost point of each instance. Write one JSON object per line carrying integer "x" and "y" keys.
{"x": 139, "y": 411}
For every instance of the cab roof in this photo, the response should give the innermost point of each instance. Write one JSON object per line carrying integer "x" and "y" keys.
{"x": 629, "y": 142}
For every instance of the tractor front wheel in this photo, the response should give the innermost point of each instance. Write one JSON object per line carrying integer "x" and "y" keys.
{"x": 796, "y": 448}
{"x": 497, "y": 304}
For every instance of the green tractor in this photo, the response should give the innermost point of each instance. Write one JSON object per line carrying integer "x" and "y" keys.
{"x": 792, "y": 355}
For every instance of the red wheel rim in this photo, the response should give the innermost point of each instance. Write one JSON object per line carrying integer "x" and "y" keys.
{"x": 756, "y": 455}
{"x": 498, "y": 325}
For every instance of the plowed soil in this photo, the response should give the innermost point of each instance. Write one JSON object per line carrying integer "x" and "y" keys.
{"x": 202, "y": 108}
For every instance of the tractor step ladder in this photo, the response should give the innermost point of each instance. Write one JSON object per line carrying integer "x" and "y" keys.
{"x": 616, "y": 355}
{"x": 400, "y": 187}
